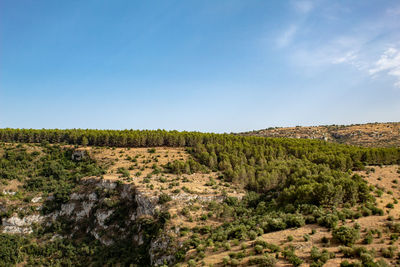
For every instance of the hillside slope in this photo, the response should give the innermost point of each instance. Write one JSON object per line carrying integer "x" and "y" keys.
{"x": 158, "y": 198}
{"x": 369, "y": 135}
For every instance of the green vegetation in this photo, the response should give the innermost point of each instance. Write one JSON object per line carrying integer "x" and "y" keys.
{"x": 303, "y": 171}
{"x": 10, "y": 253}
{"x": 264, "y": 261}
{"x": 346, "y": 235}
{"x": 69, "y": 252}
{"x": 291, "y": 257}
{"x": 164, "y": 198}
{"x": 290, "y": 183}
{"x": 49, "y": 172}
{"x": 319, "y": 258}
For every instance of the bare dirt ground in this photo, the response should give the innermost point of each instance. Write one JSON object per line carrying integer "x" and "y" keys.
{"x": 146, "y": 171}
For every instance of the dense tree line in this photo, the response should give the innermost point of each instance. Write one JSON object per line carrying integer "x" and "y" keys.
{"x": 338, "y": 156}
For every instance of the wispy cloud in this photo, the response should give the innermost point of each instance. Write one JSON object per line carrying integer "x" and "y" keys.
{"x": 363, "y": 46}
{"x": 393, "y": 11}
{"x": 337, "y": 50}
{"x": 352, "y": 58}
{"x": 287, "y": 36}
{"x": 304, "y": 6}
{"x": 349, "y": 57}
{"x": 389, "y": 62}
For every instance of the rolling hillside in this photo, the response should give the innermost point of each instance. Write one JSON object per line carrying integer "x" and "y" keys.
{"x": 369, "y": 135}
{"x": 158, "y": 198}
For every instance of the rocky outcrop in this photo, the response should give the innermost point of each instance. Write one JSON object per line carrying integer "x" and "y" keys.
{"x": 110, "y": 212}
{"x": 162, "y": 250}
{"x": 146, "y": 205}
{"x": 16, "y": 225}
{"x": 190, "y": 197}
{"x": 79, "y": 154}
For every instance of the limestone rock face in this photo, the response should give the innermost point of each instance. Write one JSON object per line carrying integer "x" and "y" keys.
{"x": 79, "y": 154}
{"x": 36, "y": 199}
{"x": 146, "y": 205}
{"x": 16, "y": 225}
{"x": 161, "y": 250}
{"x": 109, "y": 212}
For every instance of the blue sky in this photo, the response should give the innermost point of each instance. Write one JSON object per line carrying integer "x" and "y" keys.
{"x": 206, "y": 65}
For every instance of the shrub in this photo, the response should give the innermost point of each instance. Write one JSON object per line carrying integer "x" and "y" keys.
{"x": 351, "y": 252}
{"x": 347, "y": 252}
{"x": 394, "y": 227}
{"x": 124, "y": 172}
{"x": 10, "y": 253}
{"x": 294, "y": 220}
{"x": 368, "y": 238}
{"x": 328, "y": 220}
{"x": 274, "y": 248}
{"x": 258, "y": 249}
{"x": 191, "y": 263}
{"x": 320, "y": 256}
{"x": 375, "y": 210}
{"x": 394, "y": 236}
{"x": 306, "y": 237}
{"x": 227, "y": 246}
{"x": 225, "y": 260}
{"x": 151, "y": 150}
{"x": 388, "y": 252}
{"x": 346, "y": 235}
{"x": 164, "y": 198}
{"x": 263, "y": 261}
{"x": 379, "y": 192}
{"x": 260, "y": 242}
{"x": 235, "y": 262}
{"x": 313, "y": 231}
{"x": 367, "y": 259}
{"x": 252, "y": 235}
{"x": 291, "y": 257}
{"x": 325, "y": 240}
{"x": 390, "y": 206}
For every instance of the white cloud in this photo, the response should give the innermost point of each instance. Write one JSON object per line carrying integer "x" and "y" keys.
{"x": 338, "y": 50}
{"x": 359, "y": 46}
{"x": 389, "y": 62}
{"x": 349, "y": 57}
{"x": 287, "y": 36}
{"x": 303, "y": 6}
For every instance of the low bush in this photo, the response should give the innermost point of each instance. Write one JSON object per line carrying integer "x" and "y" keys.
{"x": 319, "y": 258}
{"x": 389, "y": 252}
{"x": 346, "y": 263}
{"x": 291, "y": 257}
{"x": 262, "y": 261}
{"x": 346, "y": 235}
{"x": 164, "y": 198}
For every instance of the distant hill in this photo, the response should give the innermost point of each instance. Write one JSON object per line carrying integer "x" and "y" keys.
{"x": 369, "y": 135}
